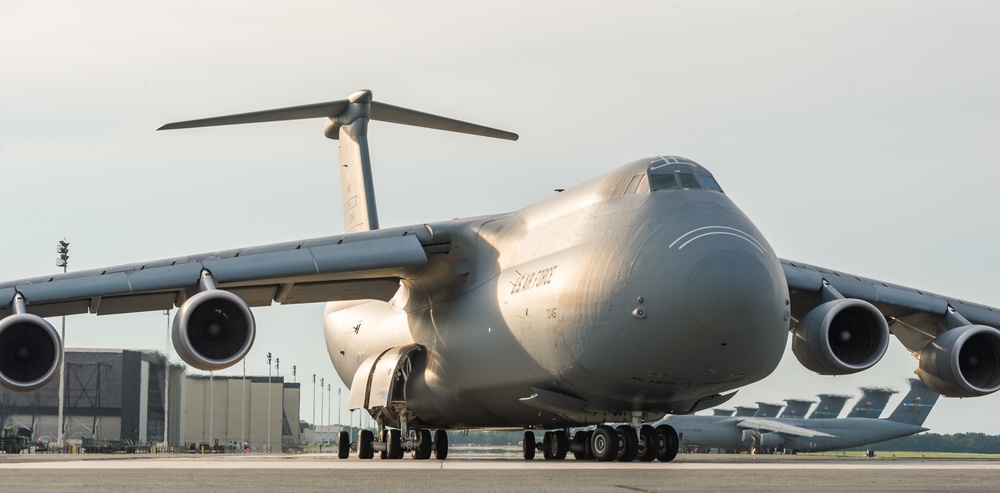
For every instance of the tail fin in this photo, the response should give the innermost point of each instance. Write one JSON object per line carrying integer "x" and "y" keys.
{"x": 796, "y": 408}
{"x": 745, "y": 411}
{"x": 722, "y": 412}
{"x": 347, "y": 121}
{"x": 767, "y": 410}
{"x": 872, "y": 402}
{"x": 829, "y": 406}
{"x": 916, "y": 405}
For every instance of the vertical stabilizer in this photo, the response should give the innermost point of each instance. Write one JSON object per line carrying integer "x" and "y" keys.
{"x": 347, "y": 121}
{"x": 916, "y": 405}
{"x": 829, "y": 406}
{"x": 767, "y": 410}
{"x": 357, "y": 188}
{"x": 723, "y": 412}
{"x": 745, "y": 411}
{"x": 796, "y": 408}
{"x": 872, "y": 402}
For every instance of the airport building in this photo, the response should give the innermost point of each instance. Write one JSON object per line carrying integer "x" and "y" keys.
{"x": 124, "y": 396}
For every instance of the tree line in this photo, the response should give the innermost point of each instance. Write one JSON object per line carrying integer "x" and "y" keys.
{"x": 975, "y": 443}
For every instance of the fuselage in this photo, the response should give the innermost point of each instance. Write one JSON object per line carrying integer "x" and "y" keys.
{"x": 643, "y": 290}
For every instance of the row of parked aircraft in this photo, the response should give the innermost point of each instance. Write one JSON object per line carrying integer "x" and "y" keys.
{"x": 764, "y": 429}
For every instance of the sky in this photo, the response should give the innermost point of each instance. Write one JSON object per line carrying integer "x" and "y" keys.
{"x": 857, "y": 135}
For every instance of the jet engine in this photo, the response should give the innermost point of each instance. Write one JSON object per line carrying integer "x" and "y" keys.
{"x": 30, "y": 352}
{"x": 962, "y": 362}
{"x": 213, "y": 330}
{"x": 840, "y": 337}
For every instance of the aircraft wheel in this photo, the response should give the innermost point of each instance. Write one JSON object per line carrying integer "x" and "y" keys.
{"x": 604, "y": 443}
{"x": 667, "y": 443}
{"x": 393, "y": 445}
{"x": 580, "y": 437}
{"x": 365, "y": 449}
{"x": 343, "y": 445}
{"x": 587, "y": 442}
{"x": 422, "y": 450}
{"x": 440, "y": 445}
{"x": 528, "y": 445}
{"x": 647, "y": 444}
{"x": 558, "y": 446}
{"x": 628, "y": 443}
{"x": 547, "y": 446}
{"x": 382, "y": 435}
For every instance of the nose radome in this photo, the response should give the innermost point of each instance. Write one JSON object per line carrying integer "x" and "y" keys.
{"x": 731, "y": 291}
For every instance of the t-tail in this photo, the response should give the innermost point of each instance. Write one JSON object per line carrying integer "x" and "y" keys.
{"x": 829, "y": 406}
{"x": 916, "y": 405}
{"x": 347, "y": 121}
{"x": 872, "y": 402}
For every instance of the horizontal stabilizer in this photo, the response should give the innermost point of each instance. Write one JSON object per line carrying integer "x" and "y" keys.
{"x": 779, "y": 427}
{"x": 395, "y": 114}
{"x": 342, "y": 113}
{"x": 317, "y": 110}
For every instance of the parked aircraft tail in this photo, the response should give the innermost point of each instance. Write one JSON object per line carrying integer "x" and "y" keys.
{"x": 745, "y": 411}
{"x": 829, "y": 406}
{"x": 722, "y": 412}
{"x": 347, "y": 121}
{"x": 872, "y": 402}
{"x": 916, "y": 405}
{"x": 796, "y": 408}
{"x": 767, "y": 410}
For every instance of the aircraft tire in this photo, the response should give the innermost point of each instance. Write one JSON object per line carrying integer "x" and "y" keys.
{"x": 383, "y": 438}
{"x": 528, "y": 445}
{"x": 604, "y": 443}
{"x": 647, "y": 444}
{"x": 365, "y": 449}
{"x": 667, "y": 443}
{"x": 547, "y": 446}
{"x": 343, "y": 445}
{"x": 440, "y": 445}
{"x": 628, "y": 443}
{"x": 393, "y": 445}
{"x": 558, "y": 446}
{"x": 586, "y": 441}
{"x": 581, "y": 438}
{"x": 422, "y": 450}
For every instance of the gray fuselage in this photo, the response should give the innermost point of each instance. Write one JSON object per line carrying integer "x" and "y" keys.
{"x": 605, "y": 299}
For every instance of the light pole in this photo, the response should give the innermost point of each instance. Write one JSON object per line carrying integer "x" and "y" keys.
{"x": 269, "y": 402}
{"x": 166, "y": 387}
{"x": 328, "y": 393}
{"x": 339, "y": 421}
{"x": 321, "y": 386}
{"x": 62, "y": 248}
{"x": 293, "y": 374}
{"x": 314, "y": 401}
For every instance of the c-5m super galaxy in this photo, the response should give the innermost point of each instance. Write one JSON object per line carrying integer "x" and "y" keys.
{"x": 639, "y": 293}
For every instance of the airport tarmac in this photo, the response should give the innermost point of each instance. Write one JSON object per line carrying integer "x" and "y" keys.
{"x": 315, "y": 472}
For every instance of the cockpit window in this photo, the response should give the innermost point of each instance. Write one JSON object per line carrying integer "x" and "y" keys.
{"x": 662, "y": 182}
{"x": 688, "y": 181}
{"x": 709, "y": 183}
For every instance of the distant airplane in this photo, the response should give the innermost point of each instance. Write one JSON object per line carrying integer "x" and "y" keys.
{"x": 806, "y": 435}
{"x": 767, "y": 410}
{"x": 639, "y": 293}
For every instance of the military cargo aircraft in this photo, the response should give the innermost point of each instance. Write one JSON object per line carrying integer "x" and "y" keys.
{"x": 639, "y": 293}
{"x": 808, "y": 435}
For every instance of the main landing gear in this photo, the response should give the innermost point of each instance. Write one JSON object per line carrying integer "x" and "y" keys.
{"x": 624, "y": 443}
{"x": 391, "y": 445}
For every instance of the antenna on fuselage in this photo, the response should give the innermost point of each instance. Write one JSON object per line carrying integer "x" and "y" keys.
{"x": 347, "y": 121}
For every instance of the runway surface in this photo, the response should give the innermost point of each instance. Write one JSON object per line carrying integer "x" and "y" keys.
{"x": 316, "y": 472}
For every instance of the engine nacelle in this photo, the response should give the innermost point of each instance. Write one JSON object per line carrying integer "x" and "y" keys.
{"x": 962, "y": 362}
{"x": 213, "y": 330}
{"x": 30, "y": 352}
{"x": 840, "y": 337}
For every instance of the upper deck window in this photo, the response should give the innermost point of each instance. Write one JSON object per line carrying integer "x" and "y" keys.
{"x": 662, "y": 182}
{"x": 676, "y": 173}
{"x": 709, "y": 183}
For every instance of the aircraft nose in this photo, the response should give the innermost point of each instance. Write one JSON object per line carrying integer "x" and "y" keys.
{"x": 712, "y": 301}
{"x": 729, "y": 291}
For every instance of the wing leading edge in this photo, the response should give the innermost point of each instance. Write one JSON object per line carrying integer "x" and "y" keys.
{"x": 365, "y": 265}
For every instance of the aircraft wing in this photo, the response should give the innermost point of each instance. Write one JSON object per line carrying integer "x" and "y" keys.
{"x": 916, "y": 316}
{"x": 779, "y": 427}
{"x": 366, "y": 265}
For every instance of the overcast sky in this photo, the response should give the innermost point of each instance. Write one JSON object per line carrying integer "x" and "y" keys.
{"x": 859, "y": 136}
